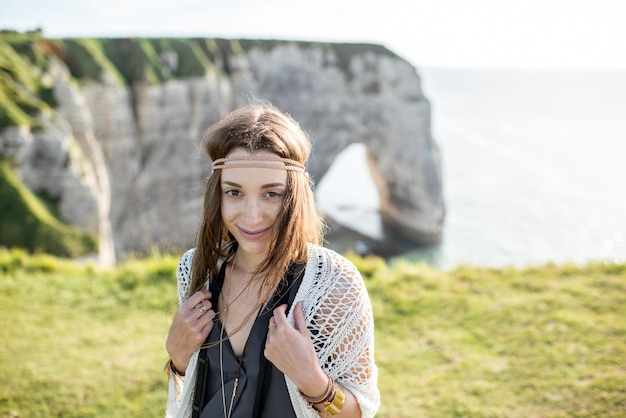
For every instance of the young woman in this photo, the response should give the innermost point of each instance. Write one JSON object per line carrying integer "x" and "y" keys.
{"x": 270, "y": 324}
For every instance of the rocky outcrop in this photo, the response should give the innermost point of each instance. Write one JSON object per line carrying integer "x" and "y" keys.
{"x": 138, "y": 174}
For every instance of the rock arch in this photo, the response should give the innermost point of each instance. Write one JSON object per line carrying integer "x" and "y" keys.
{"x": 373, "y": 97}
{"x": 349, "y": 199}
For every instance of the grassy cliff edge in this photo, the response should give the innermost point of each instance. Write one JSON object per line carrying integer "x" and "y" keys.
{"x": 549, "y": 341}
{"x": 25, "y": 222}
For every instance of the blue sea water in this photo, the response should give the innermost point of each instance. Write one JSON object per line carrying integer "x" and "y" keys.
{"x": 534, "y": 168}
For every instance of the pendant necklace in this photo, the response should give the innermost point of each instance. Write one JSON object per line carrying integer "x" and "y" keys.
{"x": 223, "y": 315}
{"x": 228, "y": 413}
{"x": 232, "y": 398}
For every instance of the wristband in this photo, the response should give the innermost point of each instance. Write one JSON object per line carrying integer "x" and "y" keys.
{"x": 333, "y": 398}
{"x": 173, "y": 369}
{"x": 325, "y": 397}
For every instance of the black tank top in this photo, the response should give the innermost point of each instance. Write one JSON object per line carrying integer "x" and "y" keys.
{"x": 261, "y": 388}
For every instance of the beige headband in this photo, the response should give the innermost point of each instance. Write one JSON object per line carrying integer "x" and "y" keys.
{"x": 258, "y": 162}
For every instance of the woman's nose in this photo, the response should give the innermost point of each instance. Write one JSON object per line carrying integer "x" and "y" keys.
{"x": 252, "y": 211}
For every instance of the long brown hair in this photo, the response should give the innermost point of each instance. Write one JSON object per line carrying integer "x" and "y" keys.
{"x": 258, "y": 126}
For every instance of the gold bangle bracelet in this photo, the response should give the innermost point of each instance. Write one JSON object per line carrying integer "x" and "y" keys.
{"x": 334, "y": 406}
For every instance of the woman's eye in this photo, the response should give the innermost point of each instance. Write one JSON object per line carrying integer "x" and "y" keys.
{"x": 274, "y": 194}
{"x": 232, "y": 193}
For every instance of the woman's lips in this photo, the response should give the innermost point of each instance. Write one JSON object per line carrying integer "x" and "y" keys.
{"x": 253, "y": 235}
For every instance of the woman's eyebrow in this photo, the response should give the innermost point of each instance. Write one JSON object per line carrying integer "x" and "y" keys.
{"x": 272, "y": 185}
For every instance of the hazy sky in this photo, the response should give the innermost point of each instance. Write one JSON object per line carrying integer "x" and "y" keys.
{"x": 429, "y": 33}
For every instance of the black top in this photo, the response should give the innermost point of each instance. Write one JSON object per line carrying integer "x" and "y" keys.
{"x": 261, "y": 388}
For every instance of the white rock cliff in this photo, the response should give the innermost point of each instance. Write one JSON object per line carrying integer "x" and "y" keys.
{"x": 124, "y": 160}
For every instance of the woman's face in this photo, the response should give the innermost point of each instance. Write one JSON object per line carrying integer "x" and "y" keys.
{"x": 252, "y": 198}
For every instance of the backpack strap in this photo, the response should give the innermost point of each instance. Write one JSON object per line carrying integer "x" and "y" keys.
{"x": 199, "y": 400}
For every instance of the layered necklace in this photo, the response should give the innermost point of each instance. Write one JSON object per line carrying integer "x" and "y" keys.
{"x": 246, "y": 287}
{"x": 228, "y": 412}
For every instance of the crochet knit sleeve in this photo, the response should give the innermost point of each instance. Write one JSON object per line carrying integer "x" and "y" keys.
{"x": 339, "y": 315}
{"x": 183, "y": 274}
{"x": 179, "y": 390}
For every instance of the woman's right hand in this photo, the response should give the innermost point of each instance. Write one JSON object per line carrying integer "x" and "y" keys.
{"x": 190, "y": 327}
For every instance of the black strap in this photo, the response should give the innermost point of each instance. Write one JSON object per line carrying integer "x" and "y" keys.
{"x": 201, "y": 381}
{"x": 199, "y": 400}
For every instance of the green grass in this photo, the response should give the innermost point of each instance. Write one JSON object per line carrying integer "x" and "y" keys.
{"x": 82, "y": 341}
{"x": 79, "y": 341}
{"x": 539, "y": 342}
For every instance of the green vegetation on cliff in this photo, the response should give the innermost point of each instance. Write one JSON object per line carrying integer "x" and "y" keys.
{"x": 83, "y": 341}
{"x": 26, "y": 222}
{"x": 25, "y": 59}
{"x": 87, "y": 60}
{"x": 23, "y": 91}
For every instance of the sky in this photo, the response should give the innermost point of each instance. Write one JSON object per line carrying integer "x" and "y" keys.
{"x": 546, "y": 34}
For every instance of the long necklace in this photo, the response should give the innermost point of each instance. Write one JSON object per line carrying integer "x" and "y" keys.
{"x": 232, "y": 398}
{"x": 228, "y": 413}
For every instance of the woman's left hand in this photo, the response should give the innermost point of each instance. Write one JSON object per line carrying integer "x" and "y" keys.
{"x": 291, "y": 351}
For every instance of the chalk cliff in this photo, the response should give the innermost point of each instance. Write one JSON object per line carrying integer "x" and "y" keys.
{"x": 119, "y": 149}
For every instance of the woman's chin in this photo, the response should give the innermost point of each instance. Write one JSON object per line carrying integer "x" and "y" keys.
{"x": 252, "y": 247}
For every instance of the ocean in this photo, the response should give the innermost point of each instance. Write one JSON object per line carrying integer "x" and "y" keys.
{"x": 534, "y": 169}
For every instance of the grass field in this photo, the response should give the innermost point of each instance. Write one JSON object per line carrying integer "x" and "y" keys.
{"x": 80, "y": 341}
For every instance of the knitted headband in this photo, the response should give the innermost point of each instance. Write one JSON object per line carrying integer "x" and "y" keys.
{"x": 258, "y": 162}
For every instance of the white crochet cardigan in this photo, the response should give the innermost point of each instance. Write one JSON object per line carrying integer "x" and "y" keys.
{"x": 336, "y": 303}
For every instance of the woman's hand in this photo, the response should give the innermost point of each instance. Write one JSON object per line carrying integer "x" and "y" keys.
{"x": 291, "y": 351}
{"x": 190, "y": 327}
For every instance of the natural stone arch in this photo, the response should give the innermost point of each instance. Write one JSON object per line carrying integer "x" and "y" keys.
{"x": 348, "y": 198}
{"x": 406, "y": 173}
{"x": 374, "y": 99}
